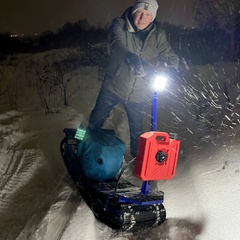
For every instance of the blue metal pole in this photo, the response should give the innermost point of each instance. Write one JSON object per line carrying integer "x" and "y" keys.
{"x": 154, "y": 112}
{"x": 146, "y": 185}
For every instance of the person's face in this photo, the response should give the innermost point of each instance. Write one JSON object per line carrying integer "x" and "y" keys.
{"x": 142, "y": 18}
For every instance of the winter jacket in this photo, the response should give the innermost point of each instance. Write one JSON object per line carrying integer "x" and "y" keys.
{"x": 124, "y": 38}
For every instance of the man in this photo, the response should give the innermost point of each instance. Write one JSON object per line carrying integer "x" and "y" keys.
{"x": 136, "y": 42}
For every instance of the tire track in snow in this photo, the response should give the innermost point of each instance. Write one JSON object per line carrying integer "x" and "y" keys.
{"x": 56, "y": 220}
{"x": 22, "y": 167}
{"x": 17, "y": 165}
{"x": 18, "y": 172}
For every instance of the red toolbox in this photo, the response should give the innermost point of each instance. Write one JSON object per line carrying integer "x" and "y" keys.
{"x": 157, "y": 156}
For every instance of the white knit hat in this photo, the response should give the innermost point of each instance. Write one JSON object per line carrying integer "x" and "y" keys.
{"x": 150, "y": 5}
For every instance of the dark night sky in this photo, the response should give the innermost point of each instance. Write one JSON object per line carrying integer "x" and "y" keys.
{"x": 30, "y": 17}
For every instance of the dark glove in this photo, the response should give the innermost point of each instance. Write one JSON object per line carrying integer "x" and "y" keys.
{"x": 135, "y": 64}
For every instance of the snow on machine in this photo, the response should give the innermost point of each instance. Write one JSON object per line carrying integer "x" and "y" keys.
{"x": 94, "y": 159}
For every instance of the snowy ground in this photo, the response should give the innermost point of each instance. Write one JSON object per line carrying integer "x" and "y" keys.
{"x": 38, "y": 200}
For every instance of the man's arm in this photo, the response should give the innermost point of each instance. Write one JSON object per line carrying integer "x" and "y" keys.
{"x": 166, "y": 53}
{"x": 117, "y": 43}
{"x": 117, "y": 39}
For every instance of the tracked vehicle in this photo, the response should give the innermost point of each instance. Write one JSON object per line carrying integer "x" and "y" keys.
{"x": 94, "y": 161}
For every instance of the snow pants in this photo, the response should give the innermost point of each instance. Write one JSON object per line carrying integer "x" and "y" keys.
{"x": 135, "y": 112}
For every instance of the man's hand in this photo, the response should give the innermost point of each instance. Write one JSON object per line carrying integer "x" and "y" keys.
{"x": 135, "y": 64}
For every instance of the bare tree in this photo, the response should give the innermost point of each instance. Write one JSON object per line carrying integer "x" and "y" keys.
{"x": 3, "y": 89}
{"x": 65, "y": 73}
{"x": 11, "y": 88}
{"x": 53, "y": 79}
{"x": 218, "y": 14}
{"x": 47, "y": 87}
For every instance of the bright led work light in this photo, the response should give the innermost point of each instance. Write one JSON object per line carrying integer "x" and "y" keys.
{"x": 159, "y": 82}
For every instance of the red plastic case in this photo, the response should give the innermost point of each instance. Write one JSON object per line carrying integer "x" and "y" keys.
{"x": 157, "y": 156}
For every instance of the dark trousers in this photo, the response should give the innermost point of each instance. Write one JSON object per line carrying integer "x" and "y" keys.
{"x": 135, "y": 111}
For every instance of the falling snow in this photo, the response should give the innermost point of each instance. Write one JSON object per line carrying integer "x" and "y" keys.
{"x": 39, "y": 201}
